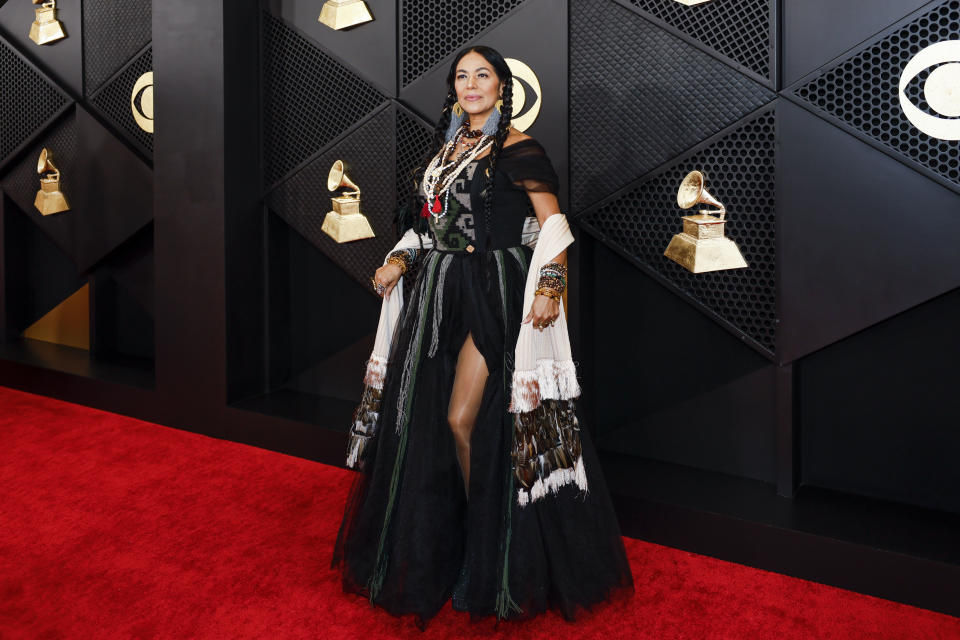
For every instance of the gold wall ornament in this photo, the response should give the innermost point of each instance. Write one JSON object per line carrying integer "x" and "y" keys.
{"x": 941, "y": 90}
{"x": 49, "y": 198}
{"x": 345, "y": 223}
{"x": 141, "y": 101}
{"x": 527, "y": 95}
{"x": 46, "y": 28}
{"x": 343, "y": 14}
{"x": 702, "y": 245}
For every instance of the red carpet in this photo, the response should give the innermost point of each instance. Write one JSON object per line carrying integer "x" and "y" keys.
{"x": 116, "y": 528}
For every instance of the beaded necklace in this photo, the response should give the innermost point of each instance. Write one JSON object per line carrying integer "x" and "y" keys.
{"x": 441, "y": 173}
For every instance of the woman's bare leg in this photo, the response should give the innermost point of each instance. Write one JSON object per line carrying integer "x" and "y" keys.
{"x": 471, "y": 376}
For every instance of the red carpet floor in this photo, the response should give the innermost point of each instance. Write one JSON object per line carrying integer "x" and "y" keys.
{"x": 116, "y": 528}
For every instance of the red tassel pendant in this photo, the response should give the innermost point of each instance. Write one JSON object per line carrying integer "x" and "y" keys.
{"x": 425, "y": 212}
{"x": 436, "y": 205}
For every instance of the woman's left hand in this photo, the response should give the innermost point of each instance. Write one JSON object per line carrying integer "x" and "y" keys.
{"x": 543, "y": 312}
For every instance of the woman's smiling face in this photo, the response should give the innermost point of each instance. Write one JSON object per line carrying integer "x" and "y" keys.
{"x": 477, "y": 86}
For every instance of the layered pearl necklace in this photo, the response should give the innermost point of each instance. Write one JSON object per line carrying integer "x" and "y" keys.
{"x": 441, "y": 172}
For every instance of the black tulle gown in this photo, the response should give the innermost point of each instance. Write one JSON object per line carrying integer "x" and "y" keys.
{"x": 410, "y": 538}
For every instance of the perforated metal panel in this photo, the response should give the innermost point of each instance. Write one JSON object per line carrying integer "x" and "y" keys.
{"x": 413, "y": 144}
{"x": 433, "y": 29}
{"x": 738, "y": 30}
{"x": 309, "y": 98}
{"x": 641, "y": 96}
{"x": 861, "y": 91}
{"x": 740, "y": 173}
{"x": 303, "y": 201}
{"x": 22, "y": 182}
{"x": 26, "y": 101}
{"x": 113, "y": 100}
{"x": 113, "y": 32}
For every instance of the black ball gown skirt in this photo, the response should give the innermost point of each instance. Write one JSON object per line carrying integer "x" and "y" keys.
{"x": 410, "y": 539}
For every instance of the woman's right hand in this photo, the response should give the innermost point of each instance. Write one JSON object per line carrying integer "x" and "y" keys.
{"x": 388, "y": 275}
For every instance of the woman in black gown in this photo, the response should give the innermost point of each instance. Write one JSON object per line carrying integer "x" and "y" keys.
{"x": 441, "y": 508}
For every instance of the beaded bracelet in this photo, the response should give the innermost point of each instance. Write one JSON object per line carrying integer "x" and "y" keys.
{"x": 403, "y": 258}
{"x": 553, "y": 277}
{"x": 550, "y": 293}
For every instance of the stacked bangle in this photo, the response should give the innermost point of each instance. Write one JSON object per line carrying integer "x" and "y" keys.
{"x": 403, "y": 258}
{"x": 550, "y": 293}
{"x": 553, "y": 280}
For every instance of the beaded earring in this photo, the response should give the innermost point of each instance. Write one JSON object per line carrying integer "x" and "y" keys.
{"x": 456, "y": 119}
{"x": 493, "y": 121}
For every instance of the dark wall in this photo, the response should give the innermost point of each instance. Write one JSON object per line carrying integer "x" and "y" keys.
{"x": 220, "y": 306}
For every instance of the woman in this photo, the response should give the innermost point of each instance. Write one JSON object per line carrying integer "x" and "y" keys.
{"x": 477, "y": 483}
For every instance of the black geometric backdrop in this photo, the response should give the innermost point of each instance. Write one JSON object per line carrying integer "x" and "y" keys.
{"x": 103, "y": 156}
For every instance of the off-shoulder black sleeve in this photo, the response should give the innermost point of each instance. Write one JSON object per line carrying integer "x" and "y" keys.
{"x": 527, "y": 166}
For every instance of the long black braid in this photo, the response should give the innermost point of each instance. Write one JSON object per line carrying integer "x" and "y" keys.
{"x": 503, "y": 130}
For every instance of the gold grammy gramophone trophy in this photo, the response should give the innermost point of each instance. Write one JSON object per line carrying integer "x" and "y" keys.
{"x": 49, "y": 198}
{"x": 46, "y": 28}
{"x": 345, "y": 223}
{"x": 702, "y": 245}
{"x": 343, "y": 14}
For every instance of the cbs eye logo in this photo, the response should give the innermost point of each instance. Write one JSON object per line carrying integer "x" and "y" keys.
{"x": 527, "y": 96}
{"x": 941, "y": 90}
{"x": 141, "y": 101}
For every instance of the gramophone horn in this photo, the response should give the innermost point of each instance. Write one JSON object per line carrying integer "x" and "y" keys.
{"x": 693, "y": 191}
{"x": 45, "y": 162}
{"x": 338, "y": 178}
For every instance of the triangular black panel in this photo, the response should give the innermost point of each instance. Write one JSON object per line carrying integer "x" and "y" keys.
{"x": 61, "y": 60}
{"x": 860, "y": 93}
{"x": 851, "y": 22}
{"x": 368, "y": 48}
{"x": 303, "y": 200}
{"x": 737, "y": 30}
{"x": 433, "y": 29}
{"x": 628, "y": 118}
{"x": 887, "y": 241}
{"x": 21, "y": 183}
{"x": 131, "y": 266}
{"x": 109, "y": 189}
{"x": 309, "y": 98}
{"x": 39, "y": 276}
{"x": 113, "y": 101}
{"x": 740, "y": 171}
{"x": 113, "y": 32}
{"x": 28, "y": 100}
{"x": 413, "y": 145}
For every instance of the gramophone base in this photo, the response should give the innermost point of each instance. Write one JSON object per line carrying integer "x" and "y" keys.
{"x": 50, "y": 202}
{"x": 46, "y": 33}
{"x": 343, "y": 14}
{"x": 699, "y": 256}
{"x": 348, "y": 227}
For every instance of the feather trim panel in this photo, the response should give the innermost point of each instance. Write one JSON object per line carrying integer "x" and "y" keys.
{"x": 547, "y": 452}
{"x": 363, "y": 430}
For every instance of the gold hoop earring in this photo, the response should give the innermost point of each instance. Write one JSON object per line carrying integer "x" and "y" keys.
{"x": 499, "y": 106}
{"x": 457, "y": 109}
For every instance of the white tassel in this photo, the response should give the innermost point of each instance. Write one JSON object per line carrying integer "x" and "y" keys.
{"x": 376, "y": 372}
{"x": 551, "y": 380}
{"x": 580, "y": 473}
{"x": 552, "y": 483}
{"x": 353, "y": 454}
